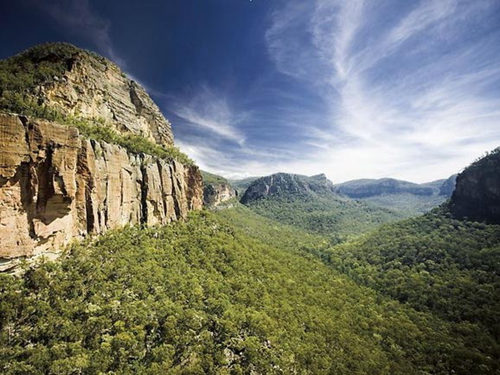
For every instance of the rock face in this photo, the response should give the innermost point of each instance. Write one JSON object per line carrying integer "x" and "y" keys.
{"x": 216, "y": 190}
{"x": 89, "y": 86}
{"x": 281, "y": 184}
{"x": 214, "y": 195}
{"x": 56, "y": 186}
{"x": 477, "y": 193}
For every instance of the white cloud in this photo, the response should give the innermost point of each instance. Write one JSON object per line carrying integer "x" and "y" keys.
{"x": 211, "y": 111}
{"x": 415, "y": 102}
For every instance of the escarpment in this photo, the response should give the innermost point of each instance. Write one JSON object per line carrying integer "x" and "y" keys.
{"x": 56, "y": 186}
{"x": 83, "y": 149}
{"x": 61, "y": 78}
{"x": 281, "y": 184}
{"x": 216, "y": 190}
{"x": 477, "y": 192}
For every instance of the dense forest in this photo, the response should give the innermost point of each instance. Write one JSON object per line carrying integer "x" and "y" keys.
{"x": 324, "y": 214}
{"x": 433, "y": 263}
{"x": 203, "y": 297}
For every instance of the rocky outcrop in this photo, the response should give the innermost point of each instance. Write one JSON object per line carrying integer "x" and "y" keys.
{"x": 284, "y": 184}
{"x": 216, "y": 190}
{"x": 89, "y": 86}
{"x": 216, "y": 194}
{"x": 56, "y": 186}
{"x": 477, "y": 192}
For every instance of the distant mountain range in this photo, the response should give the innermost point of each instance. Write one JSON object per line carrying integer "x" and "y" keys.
{"x": 404, "y": 198}
{"x": 302, "y": 278}
{"x": 312, "y": 203}
{"x": 367, "y": 188}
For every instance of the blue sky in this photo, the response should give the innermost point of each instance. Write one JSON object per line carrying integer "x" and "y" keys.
{"x": 352, "y": 89}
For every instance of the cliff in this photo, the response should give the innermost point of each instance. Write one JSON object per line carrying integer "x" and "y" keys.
{"x": 56, "y": 186}
{"x": 69, "y": 175}
{"x": 216, "y": 190}
{"x": 477, "y": 192}
{"x": 61, "y": 78}
{"x": 284, "y": 184}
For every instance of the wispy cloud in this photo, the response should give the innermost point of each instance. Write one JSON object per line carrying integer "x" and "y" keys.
{"x": 411, "y": 97}
{"x": 210, "y": 111}
{"x": 78, "y": 17}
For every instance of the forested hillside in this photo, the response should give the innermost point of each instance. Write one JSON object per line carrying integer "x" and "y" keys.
{"x": 324, "y": 215}
{"x": 407, "y": 198}
{"x": 433, "y": 263}
{"x": 300, "y": 277}
{"x": 311, "y": 204}
{"x": 202, "y": 297}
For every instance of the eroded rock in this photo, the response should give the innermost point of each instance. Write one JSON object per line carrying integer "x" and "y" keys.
{"x": 56, "y": 186}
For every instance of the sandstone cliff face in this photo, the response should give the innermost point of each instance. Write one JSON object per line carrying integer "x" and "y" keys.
{"x": 56, "y": 186}
{"x": 477, "y": 191}
{"x": 214, "y": 195}
{"x": 89, "y": 86}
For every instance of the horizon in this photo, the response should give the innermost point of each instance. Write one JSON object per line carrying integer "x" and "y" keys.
{"x": 363, "y": 90}
{"x": 335, "y": 183}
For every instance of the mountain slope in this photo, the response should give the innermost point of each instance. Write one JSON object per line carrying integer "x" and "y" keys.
{"x": 368, "y": 188}
{"x": 434, "y": 263}
{"x": 448, "y": 186}
{"x": 56, "y": 80}
{"x": 439, "y": 262}
{"x": 311, "y": 203}
{"x": 86, "y": 151}
{"x": 242, "y": 184}
{"x": 285, "y": 185}
{"x": 407, "y": 198}
{"x": 200, "y": 297}
{"x": 477, "y": 195}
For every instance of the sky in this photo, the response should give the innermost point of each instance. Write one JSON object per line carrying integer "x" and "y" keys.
{"x": 353, "y": 89}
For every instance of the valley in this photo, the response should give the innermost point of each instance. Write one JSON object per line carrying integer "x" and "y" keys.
{"x": 163, "y": 268}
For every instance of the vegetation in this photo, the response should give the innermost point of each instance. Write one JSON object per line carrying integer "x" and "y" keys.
{"x": 433, "y": 263}
{"x": 271, "y": 232}
{"x": 287, "y": 285}
{"x": 406, "y": 204}
{"x": 213, "y": 179}
{"x": 131, "y": 142}
{"x": 324, "y": 214}
{"x": 407, "y": 198}
{"x": 201, "y": 297}
{"x": 23, "y": 73}
{"x": 241, "y": 185}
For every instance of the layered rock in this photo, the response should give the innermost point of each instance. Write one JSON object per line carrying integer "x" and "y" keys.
{"x": 477, "y": 192}
{"x": 89, "y": 86}
{"x": 216, "y": 190}
{"x": 216, "y": 194}
{"x": 56, "y": 186}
